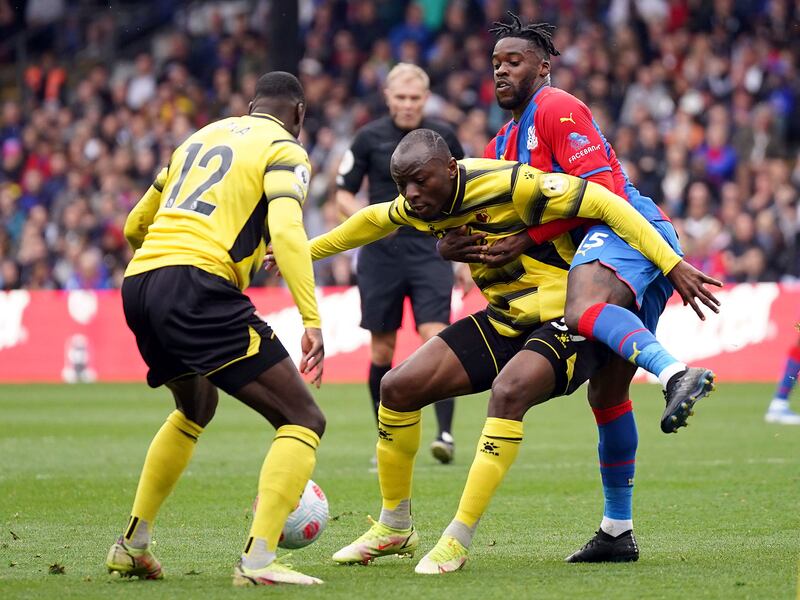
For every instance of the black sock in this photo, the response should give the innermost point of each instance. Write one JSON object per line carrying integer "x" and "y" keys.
{"x": 376, "y": 373}
{"x": 444, "y": 414}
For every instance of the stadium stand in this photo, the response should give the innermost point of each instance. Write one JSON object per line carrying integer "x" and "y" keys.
{"x": 700, "y": 100}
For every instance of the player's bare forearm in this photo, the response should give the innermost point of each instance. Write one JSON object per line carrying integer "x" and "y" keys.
{"x": 347, "y": 204}
{"x": 367, "y": 225}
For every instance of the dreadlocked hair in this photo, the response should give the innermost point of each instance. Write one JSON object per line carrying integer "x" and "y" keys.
{"x": 540, "y": 34}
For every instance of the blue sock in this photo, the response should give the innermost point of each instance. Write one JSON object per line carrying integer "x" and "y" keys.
{"x": 623, "y": 332}
{"x": 618, "y": 440}
{"x": 789, "y": 374}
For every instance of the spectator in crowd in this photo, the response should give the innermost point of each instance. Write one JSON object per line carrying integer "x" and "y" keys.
{"x": 689, "y": 93}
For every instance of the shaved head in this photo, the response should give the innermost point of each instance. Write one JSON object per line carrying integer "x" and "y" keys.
{"x": 425, "y": 172}
{"x": 419, "y": 147}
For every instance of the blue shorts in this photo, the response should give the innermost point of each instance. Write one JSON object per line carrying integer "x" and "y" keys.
{"x": 651, "y": 288}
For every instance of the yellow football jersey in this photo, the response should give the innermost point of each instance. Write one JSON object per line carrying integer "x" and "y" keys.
{"x": 502, "y": 198}
{"x": 209, "y": 208}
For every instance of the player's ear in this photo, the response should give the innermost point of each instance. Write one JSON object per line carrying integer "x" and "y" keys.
{"x": 300, "y": 114}
{"x": 544, "y": 68}
{"x": 452, "y": 168}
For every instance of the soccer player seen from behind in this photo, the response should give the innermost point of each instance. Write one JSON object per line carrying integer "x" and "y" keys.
{"x": 199, "y": 233}
{"x": 554, "y": 131}
{"x": 405, "y": 265}
{"x": 518, "y": 346}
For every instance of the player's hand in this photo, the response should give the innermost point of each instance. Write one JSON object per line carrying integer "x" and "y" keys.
{"x": 313, "y": 354}
{"x": 270, "y": 265}
{"x": 457, "y": 245}
{"x": 507, "y": 249}
{"x": 691, "y": 285}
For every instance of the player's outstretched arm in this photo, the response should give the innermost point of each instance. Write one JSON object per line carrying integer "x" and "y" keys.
{"x": 629, "y": 224}
{"x": 141, "y": 215}
{"x": 367, "y": 225}
{"x": 632, "y": 227}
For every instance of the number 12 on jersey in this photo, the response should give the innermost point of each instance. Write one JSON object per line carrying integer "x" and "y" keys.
{"x": 193, "y": 201}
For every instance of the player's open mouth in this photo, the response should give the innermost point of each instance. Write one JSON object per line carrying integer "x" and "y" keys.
{"x": 501, "y": 85}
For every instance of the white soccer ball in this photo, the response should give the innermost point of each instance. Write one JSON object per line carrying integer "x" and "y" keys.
{"x": 307, "y": 522}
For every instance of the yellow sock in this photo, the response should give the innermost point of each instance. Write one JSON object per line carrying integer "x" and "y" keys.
{"x": 398, "y": 442}
{"x": 286, "y": 469}
{"x": 169, "y": 453}
{"x": 497, "y": 449}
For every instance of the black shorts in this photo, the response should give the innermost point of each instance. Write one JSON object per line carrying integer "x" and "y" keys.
{"x": 483, "y": 352}
{"x": 187, "y": 321}
{"x": 403, "y": 265}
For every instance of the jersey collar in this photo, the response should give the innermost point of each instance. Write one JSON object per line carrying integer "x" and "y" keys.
{"x": 461, "y": 185}
{"x": 268, "y": 117}
{"x": 531, "y": 104}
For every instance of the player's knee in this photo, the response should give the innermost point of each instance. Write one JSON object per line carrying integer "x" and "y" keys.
{"x": 396, "y": 390}
{"x": 508, "y": 400}
{"x": 573, "y": 311}
{"x": 205, "y": 413}
{"x": 314, "y": 419}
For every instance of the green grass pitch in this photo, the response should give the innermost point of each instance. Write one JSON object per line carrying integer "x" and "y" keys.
{"x": 716, "y": 506}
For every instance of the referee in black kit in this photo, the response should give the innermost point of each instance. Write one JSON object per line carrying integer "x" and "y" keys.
{"x": 405, "y": 264}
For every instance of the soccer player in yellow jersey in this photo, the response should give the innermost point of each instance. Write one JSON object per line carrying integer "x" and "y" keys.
{"x": 199, "y": 233}
{"x": 518, "y": 346}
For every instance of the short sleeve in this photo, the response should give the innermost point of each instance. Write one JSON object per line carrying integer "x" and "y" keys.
{"x": 288, "y": 171}
{"x": 576, "y": 143}
{"x": 354, "y": 164}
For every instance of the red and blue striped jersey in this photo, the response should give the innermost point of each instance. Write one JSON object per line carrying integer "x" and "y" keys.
{"x": 557, "y": 133}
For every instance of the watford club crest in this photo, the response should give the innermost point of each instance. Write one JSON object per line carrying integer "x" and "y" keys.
{"x": 482, "y": 217}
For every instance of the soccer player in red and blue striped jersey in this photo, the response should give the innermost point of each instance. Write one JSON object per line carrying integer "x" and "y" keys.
{"x": 615, "y": 295}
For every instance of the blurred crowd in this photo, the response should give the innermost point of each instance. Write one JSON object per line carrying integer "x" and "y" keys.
{"x": 701, "y": 101}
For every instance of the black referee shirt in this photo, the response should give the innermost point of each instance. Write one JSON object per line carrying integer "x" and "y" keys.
{"x": 371, "y": 153}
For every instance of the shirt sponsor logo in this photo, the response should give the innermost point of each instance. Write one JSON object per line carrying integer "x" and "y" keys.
{"x": 577, "y": 141}
{"x": 568, "y": 119}
{"x": 533, "y": 141}
{"x": 583, "y": 152}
